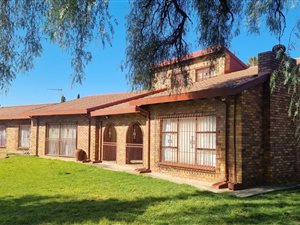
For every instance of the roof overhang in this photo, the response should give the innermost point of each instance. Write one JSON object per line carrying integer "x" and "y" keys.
{"x": 206, "y": 93}
{"x": 106, "y": 112}
{"x": 60, "y": 112}
{"x": 17, "y": 117}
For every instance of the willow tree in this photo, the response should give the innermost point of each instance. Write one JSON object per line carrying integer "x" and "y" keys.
{"x": 156, "y": 30}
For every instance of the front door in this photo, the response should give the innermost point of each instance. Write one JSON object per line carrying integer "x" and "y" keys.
{"x": 109, "y": 143}
{"x": 134, "y": 144}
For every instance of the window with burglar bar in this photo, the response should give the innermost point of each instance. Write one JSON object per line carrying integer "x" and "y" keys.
{"x": 189, "y": 141}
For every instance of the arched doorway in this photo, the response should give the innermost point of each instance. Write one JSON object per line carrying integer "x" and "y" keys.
{"x": 134, "y": 144}
{"x": 109, "y": 143}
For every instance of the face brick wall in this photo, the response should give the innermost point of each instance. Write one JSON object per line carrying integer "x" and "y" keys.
{"x": 12, "y": 135}
{"x": 121, "y": 124}
{"x": 252, "y": 136}
{"x": 82, "y": 131}
{"x": 213, "y": 107}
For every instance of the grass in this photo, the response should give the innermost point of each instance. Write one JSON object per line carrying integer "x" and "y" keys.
{"x": 40, "y": 191}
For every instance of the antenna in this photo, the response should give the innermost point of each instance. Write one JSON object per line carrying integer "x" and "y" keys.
{"x": 55, "y": 89}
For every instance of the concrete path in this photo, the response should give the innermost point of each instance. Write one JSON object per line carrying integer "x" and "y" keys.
{"x": 263, "y": 190}
{"x": 131, "y": 169}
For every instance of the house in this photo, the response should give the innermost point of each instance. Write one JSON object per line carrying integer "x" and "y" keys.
{"x": 225, "y": 127}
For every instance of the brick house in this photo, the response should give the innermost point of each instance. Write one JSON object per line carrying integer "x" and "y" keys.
{"x": 225, "y": 127}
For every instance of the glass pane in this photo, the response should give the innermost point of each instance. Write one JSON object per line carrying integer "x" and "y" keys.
{"x": 169, "y": 125}
{"x": 53, "y": 139}
{"x": 169, "y": 140}
{"x": 186, "y": 140}
{"x": 24, "y": 139}
{"x": 207, "y": 124}
{"x": 68, "y": 139}
{"x": 206, "y": 140}
{"x": 206, "y": 157}
{"x": 2, "y": 136}
{"x": 169, "y": 155}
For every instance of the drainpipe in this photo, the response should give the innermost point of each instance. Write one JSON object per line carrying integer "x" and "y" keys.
{"x": 89, "y": 140}
{"x": 147, "y": 113}
{"x": 224, "y": 184}
{"x": 100, "y": 143}
{"x": 37, "y": 136}
{"x": 234, "y": 140}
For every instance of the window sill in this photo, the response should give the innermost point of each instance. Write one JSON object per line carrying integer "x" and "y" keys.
{"x": 210, "y": 169}
{"x": 60, "y": 156}
{"x": 20, "y": 148}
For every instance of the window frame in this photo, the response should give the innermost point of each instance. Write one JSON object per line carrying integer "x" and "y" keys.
{"x": 5, "y": 139}
{"x": 19, "y": 137}
{"x": 59, "y": 139}
{"x": 194, "y": 165}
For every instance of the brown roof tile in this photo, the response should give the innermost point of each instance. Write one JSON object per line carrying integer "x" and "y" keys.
{"x": 123, "y": 108}
{"x": 20, "y": 112}
{"x": 90, "y": 103}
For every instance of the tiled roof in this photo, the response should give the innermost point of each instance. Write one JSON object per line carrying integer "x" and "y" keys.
{"x": 123, "y": 108}
{"x": 20, "y": 112}
{"x": 90, "y": 103}
{"x": 217, "y": 86}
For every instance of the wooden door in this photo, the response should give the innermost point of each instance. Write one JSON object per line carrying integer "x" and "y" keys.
{"x": 134, "y": 144}
{"x": 109, "y": 143}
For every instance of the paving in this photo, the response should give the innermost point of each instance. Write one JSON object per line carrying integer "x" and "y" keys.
{"x": 198, "y": 184}
{"x": 264, "y": 190}
{"x": 132, "y": 169}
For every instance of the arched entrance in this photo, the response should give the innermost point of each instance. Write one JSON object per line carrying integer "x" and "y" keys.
{"x": 109, "y": 143}
{"x": 134, "y": 144}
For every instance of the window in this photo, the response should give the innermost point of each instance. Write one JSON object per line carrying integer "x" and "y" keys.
{"x": 2, "y": 136}
{"x": 205, "y": 73}
{"x": 24, "y": 136}
{"x": 189, "y": 141}
{"x": 61, "y": 139}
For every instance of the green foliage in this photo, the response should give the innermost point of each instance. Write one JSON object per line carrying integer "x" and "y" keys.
{"x": 72, "y": 24}
{"x": 159, "y": 30}
{"x": 62, "y": 99}
{"x": 253, "y": 61}
{"x": 42, "y": 191}
{"x": 288, "y": 76}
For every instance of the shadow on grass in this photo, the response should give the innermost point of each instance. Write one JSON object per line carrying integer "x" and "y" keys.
{"x": 215, "y": 209}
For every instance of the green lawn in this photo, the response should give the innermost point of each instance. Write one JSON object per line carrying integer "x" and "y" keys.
{"x": 40, "y": 191}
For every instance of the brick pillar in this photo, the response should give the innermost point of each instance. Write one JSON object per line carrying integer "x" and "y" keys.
{"x": 279, "y": 143}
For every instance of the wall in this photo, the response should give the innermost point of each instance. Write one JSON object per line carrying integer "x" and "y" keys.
{"x": 121, "y": 124}
{"x": 252, "y": 137}
{"x": 82, "y": 132}
{"x": 12, "y": 135}
{"x": 211, "y": 106}
{"x": 163, "y": 78}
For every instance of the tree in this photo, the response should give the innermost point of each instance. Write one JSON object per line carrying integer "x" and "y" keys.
{"x": 72, "y": 24}
{"x": 78, "y": 96}
{"x": 63, "y": 99}
{"x": 253, "y": 61}
{"x": 157, "y": 30}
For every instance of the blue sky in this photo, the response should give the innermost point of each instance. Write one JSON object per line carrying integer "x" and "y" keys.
{"x": 104, "y": 75}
